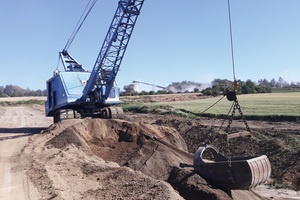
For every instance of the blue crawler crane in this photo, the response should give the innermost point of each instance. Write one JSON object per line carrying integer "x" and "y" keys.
{"x": 77, "y": 92}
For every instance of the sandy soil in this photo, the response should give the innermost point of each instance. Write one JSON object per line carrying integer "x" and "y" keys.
{"x": 107, "y": 159}
{"x": 16, "y": 125}
{"x": 59, "y": 164}
{"x": 277, "y": 194}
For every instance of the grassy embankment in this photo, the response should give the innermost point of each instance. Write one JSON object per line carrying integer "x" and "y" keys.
{"x": 14, "y": 101}
{"x": 269, "y": 106}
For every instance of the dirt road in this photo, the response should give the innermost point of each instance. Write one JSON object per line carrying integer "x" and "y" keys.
{"x": 16, "y": 124}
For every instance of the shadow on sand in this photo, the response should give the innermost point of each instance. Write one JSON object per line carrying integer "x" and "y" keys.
{"x": 20, "y": 132}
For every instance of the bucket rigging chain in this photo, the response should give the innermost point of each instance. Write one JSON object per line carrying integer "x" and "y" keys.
{"x": 236, "y": 106}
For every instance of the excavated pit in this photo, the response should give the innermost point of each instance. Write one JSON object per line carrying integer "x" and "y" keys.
{"x": 113, "y": 159}
{"x": 127, "y": 144}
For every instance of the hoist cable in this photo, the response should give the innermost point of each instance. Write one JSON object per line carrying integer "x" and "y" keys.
{"x": 231, "y": 40}
{"x": 232, "y": 57}
{"x": 81, "y": 20}
{"x": 58, "y": 62}
{"x": 79, "y": 23}
{"x": 212, "y": 105}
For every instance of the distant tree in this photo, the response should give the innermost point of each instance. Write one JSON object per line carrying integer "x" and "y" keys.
{"x": 216, "y": 87}
{"x": 207, "y": 91}
{"x": 245, "y": 89}
{"x": 223, "y": 83}
{"x": 3, "y": 95}
{"x": 282, "y": 82}
{"x": 1, "y": 90}
{"x": 129, "y": 88}
{"x": 240, "y": 86}
{"x": 39, "y": 93}
{"x": 9, "y": 90}
{"x": 151, "y": 92}
{"x": 215, "y": 93}
{"x": 161, "y": 92}
{"x": 264, "y": 83}
{"x": 144, "y": 93}
{"x": 196, "y": 90}
{"x": 16, "y": 91}
{"x": 259, "y": 89}
{"x": 273, "y": 82}
{"x": 251, "y": 87}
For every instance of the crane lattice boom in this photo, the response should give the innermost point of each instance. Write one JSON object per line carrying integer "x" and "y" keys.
{"x": 111, "y": 54}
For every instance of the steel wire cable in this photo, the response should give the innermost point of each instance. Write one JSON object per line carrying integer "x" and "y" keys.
{"x": 231, "y": 40}
{"x": 81, "y": 20}
{"x": 212, "y": 105}
{"x": 58, "y": 62}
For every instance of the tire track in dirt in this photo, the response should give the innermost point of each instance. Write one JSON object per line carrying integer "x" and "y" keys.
{"x": 16, "y": 123}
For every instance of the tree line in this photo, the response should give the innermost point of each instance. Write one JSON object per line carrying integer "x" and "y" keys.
{"x": 218, "y": 87}
{"x": 222, "y": 86}
{"x": 215, "y": 88}
{"x": 16, "y": 91}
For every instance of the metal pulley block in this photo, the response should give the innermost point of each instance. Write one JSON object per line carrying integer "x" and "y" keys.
{"x": 231, "y": 96}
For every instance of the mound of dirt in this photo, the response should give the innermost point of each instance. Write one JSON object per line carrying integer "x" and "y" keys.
{"x": 278, "y": 140}
{"x": 110, "y": 159}
{"x": 192, "y": 186}
{"x": 127, "y": 144}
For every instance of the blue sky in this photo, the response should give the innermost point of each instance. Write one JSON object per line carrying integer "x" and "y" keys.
{"x": 172, "y": 41}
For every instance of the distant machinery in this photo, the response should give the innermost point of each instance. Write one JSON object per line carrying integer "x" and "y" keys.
{"x": 135, "y": 83}
{"x": 135, "y": 87}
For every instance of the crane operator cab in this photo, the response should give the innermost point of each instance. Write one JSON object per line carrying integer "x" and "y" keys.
{"x": 65, "y": 88}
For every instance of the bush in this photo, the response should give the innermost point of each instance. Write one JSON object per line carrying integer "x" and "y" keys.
{"x": 3, "y": 95}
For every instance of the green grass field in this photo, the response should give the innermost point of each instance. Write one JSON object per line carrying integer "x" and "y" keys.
{"x": 253, "y": 104}
{"x": 277, "y": 106}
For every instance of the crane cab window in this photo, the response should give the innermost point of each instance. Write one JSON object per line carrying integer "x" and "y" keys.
{"x": 112, "y": 93}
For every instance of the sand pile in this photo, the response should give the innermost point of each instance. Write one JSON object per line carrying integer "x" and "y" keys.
{"x": 111, "y": 159}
